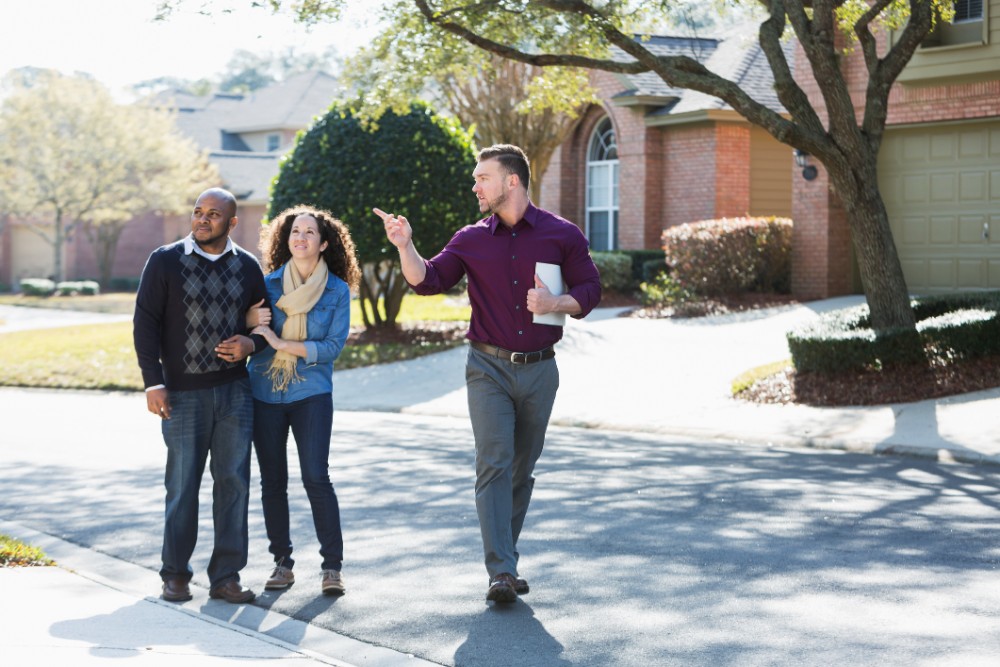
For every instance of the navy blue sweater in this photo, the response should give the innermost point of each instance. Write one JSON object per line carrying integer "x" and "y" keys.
{"x": 185, "y": 306}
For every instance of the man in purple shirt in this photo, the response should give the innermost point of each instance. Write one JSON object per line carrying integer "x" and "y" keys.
{"x": 511, "y": 372}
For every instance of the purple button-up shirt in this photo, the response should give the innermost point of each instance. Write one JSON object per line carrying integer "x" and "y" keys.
{"x": 500, "y": 264}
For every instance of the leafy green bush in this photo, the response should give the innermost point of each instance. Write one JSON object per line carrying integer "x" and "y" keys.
{"x": 642, "y": 261}
{"x": 37, "y": 286}
{"x": 418, "y": 165}
{"x": 731, "y": 255}
{"x": 78, "y": 287}
{"x": 652, "y": 268}
{"x": 615, "y": 269}
{"x": 664, "y": 291}
{"x": 951, "y": 326}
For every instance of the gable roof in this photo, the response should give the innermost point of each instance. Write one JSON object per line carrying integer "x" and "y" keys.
{"x": 735, "y": 55}
{"x": 216, "y": 122}
{"x": 288, "y": 105}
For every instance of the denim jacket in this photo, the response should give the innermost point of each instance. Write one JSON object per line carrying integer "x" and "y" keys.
{"x": 327, "y": 326}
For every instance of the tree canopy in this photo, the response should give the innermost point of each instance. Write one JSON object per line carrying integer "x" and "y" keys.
{"x": 417, "y": 164}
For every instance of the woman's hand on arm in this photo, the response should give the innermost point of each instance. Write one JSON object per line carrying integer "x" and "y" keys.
{"x": 293, "y": 347}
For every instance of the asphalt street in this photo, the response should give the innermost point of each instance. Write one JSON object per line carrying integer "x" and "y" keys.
{"x": 641, "y": 548}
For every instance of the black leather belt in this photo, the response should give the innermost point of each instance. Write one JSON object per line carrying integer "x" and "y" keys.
{"x": 514, "y": 357}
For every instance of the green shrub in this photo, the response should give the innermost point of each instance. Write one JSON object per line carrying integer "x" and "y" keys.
{"x": 78, "y": 287}
{"x": 965, "y": 333}
{"x": 950, "y": 326}
{"x": 652, "y": 269}
{"x": 37, "y": 286}
{"x": 664, "y": 291}
{"x": 615, "y": 269}
{"x": 641, "y": 260}
{"x": 731, "y": 255}
{"x": 417, "y": 164}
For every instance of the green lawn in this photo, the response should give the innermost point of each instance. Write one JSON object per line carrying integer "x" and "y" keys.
{"x": 102, "y": 356}
{"x": 15, "y": 553}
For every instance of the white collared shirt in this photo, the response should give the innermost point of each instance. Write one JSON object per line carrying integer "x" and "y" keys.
{"x": 190, "y": 246}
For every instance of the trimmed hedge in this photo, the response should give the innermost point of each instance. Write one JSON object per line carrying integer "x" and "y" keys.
{"x": 731, "y": 255}
{"x": 37, "y": 286}
{"x": 955, "y": 326}
{"x": 615, "y": 269}
{"x": 77, "y": 287}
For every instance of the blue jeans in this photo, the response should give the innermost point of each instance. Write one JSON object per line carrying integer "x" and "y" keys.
{"x": 509, "y": 406}
{"x": 216, "y": 421}
{"x": 311, "y": 421}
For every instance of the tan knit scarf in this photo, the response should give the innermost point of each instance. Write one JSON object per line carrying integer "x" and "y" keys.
{"x": 298, "y": 298}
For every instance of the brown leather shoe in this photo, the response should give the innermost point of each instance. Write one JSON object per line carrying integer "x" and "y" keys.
{"x": 521, "y": 586}
{"x": 232, "y": 592}
{"x": 503, "y": 588}
{"x": 176, "y": 590}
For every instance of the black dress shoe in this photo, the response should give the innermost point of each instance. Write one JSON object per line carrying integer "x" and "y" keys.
{"x": 503, "y": 588}
{"x": 232, "y": 592}
{"x": 176, "y": 590}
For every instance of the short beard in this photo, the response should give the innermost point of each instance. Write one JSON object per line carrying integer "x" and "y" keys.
{"x": 218, "y": 238}
{"x": 494, "y": 205}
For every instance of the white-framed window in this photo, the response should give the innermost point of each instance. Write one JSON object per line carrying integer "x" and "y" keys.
{"x": 273, "y": 142}
{"x": 968, "y": 10}
{"x": 967, "y": 26}
{"x": 602, "y": 188}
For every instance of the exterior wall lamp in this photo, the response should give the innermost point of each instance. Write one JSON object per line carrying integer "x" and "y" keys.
{"x": 809, "y": 171}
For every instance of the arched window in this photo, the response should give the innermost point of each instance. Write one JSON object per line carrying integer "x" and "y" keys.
{"x": 602, "y": 188}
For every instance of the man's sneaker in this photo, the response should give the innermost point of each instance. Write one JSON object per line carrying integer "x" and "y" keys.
{"x": 332, "y": 583}
{"x": 281, "y": 579}
{"x": 521, "y": 586}
{"x": 503, "y": 588}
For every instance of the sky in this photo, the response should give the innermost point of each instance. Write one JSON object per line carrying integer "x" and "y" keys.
{"x": 119, "y": 43}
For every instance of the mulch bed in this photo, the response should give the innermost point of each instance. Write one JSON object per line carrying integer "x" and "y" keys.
{"x": 415, "y": 333}
{"x": 901, "y": 384}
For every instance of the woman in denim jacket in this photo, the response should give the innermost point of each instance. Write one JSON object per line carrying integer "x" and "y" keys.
{"x": 313, "y": 268}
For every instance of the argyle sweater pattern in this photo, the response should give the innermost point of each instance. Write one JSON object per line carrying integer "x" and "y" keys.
{"x": 186, "y": 305}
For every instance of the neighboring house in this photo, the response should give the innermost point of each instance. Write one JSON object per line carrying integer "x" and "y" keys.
{"x": 939, "y": 169}
{"x": 246, "y": 135}
{"x": 650, "y": 156}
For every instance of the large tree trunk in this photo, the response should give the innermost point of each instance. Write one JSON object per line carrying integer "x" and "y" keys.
{"x": 878, "y": 261}
{"x": 381, "y": 282}
{"x": 58, "y": 241}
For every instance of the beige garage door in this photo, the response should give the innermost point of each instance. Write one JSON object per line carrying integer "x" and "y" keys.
{"x": 941, "y": 186}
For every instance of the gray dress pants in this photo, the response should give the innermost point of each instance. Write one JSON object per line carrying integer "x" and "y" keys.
{"x": 509, "y": 405}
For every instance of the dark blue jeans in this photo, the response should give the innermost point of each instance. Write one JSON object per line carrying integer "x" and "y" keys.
{"x": 311, "y": 421}
{"x": 203, "y": 422}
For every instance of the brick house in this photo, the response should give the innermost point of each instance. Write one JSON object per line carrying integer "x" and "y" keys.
{"x": 245, "y": 135}
{"x": 650, "y": 156}
{"x": 680, "y": 157}
{"x": 939, "y": 169}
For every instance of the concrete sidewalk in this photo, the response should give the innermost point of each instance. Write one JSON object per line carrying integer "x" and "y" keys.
{"x": 94, "y": 609}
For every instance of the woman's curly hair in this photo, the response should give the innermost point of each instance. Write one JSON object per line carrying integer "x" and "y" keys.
{"x": 340, "y": 255}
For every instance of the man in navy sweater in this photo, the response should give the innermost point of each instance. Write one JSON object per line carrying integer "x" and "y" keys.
{"x": 189, "y": 331}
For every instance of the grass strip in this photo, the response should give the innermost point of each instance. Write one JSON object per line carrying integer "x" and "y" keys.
{"x": 14, "y": 553}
